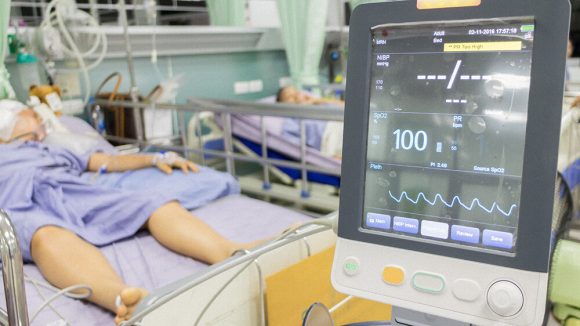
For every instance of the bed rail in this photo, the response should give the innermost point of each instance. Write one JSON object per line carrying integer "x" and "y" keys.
{"x": 228, "y": 107}
{"x": 12, "y": 274}
{"x": 242, "y": 261}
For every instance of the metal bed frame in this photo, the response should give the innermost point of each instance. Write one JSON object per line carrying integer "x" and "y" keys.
{"x": 225, "y": 108}
{"x": 240, "y": 263}
{"x": 13, "y": 275}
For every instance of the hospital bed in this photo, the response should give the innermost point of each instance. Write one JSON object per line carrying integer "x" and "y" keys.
{"x": 257, "y": 130}
{"x": 141, "y": 260}
{"x": 209, "y": 138}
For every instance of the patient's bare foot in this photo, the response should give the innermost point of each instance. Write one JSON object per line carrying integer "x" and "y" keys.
{"x": 130, "y": 298}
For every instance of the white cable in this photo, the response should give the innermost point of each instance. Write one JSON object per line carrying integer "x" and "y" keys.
{"x": 216, "y": 295}
{"x": 340, "y": 304}
{"x": 54, "y": 289}
{"x": 58, "y": 294}
{"x": 35, "y": 284}
{"x": 68, "y": 292}
{"x": 331, "y": 222}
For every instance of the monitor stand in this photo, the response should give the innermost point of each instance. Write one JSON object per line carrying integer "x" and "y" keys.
{"x": 406, "y": 317}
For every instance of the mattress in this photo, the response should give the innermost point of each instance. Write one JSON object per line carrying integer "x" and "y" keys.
{"x": 143, "y": 262}
{"x": 249, "y": 127}
{"x": 295, "y": 174}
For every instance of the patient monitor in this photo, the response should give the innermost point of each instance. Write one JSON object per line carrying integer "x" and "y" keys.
{"x": 451, "y": 137}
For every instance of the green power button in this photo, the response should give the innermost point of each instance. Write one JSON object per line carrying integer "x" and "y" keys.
{"x": 351, "y": 266}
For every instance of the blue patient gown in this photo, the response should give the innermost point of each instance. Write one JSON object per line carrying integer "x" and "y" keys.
{"x": 42, "y": 185}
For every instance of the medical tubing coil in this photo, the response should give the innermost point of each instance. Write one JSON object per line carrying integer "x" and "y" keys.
{"x": 58, "y": 6}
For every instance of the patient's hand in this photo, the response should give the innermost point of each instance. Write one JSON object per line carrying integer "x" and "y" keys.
{"x": 166, "y": 162}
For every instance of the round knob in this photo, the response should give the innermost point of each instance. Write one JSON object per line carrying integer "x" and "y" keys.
{"x": 505, "y": 298}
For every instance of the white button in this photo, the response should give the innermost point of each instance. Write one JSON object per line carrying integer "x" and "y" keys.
{"x": 466, "y": 290}
{"x": 505, "y": 298}
{"x": 435, "y": 229}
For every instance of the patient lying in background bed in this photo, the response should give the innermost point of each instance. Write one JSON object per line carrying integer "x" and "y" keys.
{"x": 325, "y": 136}
{"x": 63, "y": 204}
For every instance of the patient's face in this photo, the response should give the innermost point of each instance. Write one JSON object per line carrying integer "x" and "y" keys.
{"x": 292, "y": 95}
{"x": 29, "y": 126}
{"x": 288, "y": 95}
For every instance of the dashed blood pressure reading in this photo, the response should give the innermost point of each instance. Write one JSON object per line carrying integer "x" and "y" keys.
{"x": 447, "y": 123}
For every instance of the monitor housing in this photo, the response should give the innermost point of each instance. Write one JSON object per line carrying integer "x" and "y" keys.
{"x": 451, "y": 136}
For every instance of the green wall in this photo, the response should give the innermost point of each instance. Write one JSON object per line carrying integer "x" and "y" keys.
{"x": 207, "y": 75}
{"x": 204, "y": 75}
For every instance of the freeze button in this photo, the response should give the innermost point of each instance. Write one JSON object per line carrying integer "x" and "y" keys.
{"x": 435, "y": 229}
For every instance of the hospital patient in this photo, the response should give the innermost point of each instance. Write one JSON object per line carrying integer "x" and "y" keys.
{"x": 61, "y": 212}
{"x": 323, "y": 135}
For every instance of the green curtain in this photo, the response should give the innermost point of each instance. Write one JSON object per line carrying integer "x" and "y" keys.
{"x": 355, "y": 3}
{"x": 227, "y": 12}
{"x": 303, "y": 30}
{"x": 6, "y": 90}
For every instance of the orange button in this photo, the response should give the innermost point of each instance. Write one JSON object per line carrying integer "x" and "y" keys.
{"x": 393, "y": 275}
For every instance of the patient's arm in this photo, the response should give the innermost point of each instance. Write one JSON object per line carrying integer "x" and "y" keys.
{"x": 121, "y": 163}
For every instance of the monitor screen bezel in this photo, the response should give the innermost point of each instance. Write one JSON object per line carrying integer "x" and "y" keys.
{"x": 542, "y": 131}
{"x": 439, "y": 26}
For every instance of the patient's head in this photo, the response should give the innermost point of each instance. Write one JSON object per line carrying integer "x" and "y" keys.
{"x": 290, "y": 94}
{"x": 27, "y": 125}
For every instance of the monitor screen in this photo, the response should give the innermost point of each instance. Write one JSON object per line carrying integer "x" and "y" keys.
{"x": 446, "y": 132}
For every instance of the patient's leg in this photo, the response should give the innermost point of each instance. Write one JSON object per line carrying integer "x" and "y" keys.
{"x": 65, "y": 259}
{"x": 177, "y": 229}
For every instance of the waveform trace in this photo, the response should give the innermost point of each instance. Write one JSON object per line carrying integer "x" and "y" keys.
{"x": 454, "y": 201}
